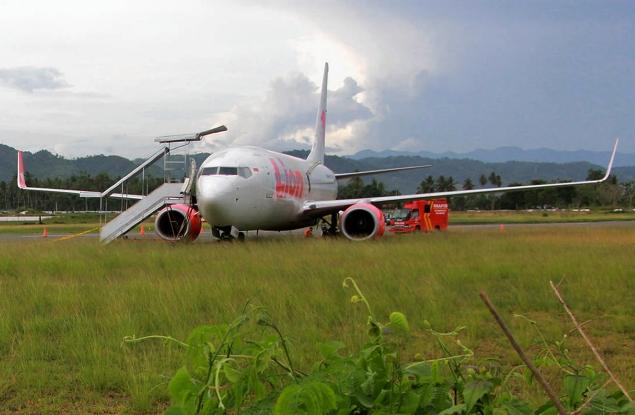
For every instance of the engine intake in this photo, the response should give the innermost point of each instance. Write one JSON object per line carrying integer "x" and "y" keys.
{"x": 362, "y": 221}
{"x": 178, "y": 223}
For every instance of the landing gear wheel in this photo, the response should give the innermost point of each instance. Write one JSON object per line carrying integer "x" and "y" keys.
{"x": 329, "y": 227}
{"x": 222, "y": 233}
{"x": 241, "y": 237}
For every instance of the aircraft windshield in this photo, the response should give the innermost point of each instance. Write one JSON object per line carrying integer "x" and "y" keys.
{"x": 208, "y": 171}
{"x": 226, "y": 171}
{"x": 400, "y": 214}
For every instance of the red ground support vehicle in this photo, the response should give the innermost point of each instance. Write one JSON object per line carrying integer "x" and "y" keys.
{"x": 421, "y": 215}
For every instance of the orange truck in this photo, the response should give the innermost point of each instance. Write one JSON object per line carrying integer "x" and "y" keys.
{"x": 420, "y": 216}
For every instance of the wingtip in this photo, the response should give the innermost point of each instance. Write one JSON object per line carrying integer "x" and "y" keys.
{"x": 21, "y": 180}
{"x": 610, "y": 166}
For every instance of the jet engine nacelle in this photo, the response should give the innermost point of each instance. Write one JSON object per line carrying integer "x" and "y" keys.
{"x": 178, "y": 223}
{"x": 362, "y": 221}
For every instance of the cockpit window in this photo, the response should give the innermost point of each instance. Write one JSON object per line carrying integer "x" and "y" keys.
{"x": 228, "y": 171}
{"x": 244, "y": 172}
{"x": 208, "y": 171}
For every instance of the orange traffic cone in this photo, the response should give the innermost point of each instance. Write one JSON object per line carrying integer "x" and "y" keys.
{"x": 308, "y": 232}
{"x": 142, "y": 230}
{"x": 45, "y": 232}
{"x": 501, "y": 227}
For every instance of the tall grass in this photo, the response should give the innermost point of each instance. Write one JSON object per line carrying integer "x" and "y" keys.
{"x": 65, "y": 306}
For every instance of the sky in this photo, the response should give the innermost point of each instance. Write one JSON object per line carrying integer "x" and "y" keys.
{"x": 80, "y": 78}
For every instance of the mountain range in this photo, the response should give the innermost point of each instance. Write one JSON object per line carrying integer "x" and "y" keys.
{"x": 43, "y": 164}
{"x": 503, "y": 154}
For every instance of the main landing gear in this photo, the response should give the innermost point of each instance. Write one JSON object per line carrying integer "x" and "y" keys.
{"x": 227, "y": 233}
{"x": 329, "y": 226}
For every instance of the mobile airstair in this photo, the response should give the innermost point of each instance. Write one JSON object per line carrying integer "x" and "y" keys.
{"x": 169, "y": 193}
{"x": 164, "y": 195}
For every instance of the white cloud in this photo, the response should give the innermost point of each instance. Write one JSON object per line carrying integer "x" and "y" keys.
{"x": 29, "y": 78}
{"x": 285, "y": 117}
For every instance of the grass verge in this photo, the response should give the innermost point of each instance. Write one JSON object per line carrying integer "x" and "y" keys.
{"x": 66, "y": 306}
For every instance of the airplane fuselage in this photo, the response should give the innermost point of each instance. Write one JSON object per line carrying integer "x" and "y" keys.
{"x": 254, "y": 188}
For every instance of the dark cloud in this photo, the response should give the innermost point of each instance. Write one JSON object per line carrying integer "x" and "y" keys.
{"x": 30, "y": 78}
{"x": 463, "y": 75}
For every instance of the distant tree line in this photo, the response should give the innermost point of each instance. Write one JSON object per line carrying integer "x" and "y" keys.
{"x": 356, "y": 188}
{"x": 608, "y": 194}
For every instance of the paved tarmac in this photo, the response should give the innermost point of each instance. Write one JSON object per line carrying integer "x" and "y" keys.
{"x": 206, "y": 236}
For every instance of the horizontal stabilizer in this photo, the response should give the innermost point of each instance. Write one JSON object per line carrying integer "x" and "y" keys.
{"x": 342, "y": 176}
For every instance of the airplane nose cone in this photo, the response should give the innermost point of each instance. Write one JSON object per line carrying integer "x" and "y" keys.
{"x": 216, "y": 197}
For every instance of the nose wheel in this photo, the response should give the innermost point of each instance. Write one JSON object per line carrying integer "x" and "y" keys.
{"x": 227, "y": 233}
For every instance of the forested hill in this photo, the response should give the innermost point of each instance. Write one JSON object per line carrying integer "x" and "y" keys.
{"x": 44, "y": 164}
{"x": 461, "y": 169}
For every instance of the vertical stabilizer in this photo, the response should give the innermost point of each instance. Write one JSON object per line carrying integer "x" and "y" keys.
{"x": 317, "y": 151}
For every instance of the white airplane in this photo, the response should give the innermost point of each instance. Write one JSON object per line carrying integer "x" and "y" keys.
{"x": 250, "y": 188}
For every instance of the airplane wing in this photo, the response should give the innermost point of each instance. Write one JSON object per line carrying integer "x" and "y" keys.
{"x": 341, "y": 176}
{"x": 324, "y": 207}
{"x": 81, "y": 193}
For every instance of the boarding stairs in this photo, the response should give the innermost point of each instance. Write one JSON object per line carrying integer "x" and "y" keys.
{"x": 175, "y": 168}
{"x": 164, "y": 195}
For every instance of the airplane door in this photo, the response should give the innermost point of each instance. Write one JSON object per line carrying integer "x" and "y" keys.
{"x": 246, "y": 193}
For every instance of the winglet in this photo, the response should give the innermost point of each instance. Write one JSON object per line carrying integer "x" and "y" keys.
{"x": 610, "y": 166}
{"x": 21, "y": 181}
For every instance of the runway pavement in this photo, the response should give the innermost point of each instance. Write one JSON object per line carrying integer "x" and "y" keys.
{"x": 206, "y": 236}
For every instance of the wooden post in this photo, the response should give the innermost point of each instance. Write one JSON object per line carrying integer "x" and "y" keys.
{"x": 523, "y": 356}
{"x": 588, "y": 341}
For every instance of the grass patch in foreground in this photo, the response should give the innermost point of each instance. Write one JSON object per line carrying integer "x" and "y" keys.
{"x": 67, "y": 306}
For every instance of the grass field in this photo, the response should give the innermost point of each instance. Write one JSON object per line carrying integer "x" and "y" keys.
{"x": 66, "y": 306}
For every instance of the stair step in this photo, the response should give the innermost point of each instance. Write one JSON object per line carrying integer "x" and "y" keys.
{"x": 166, "y": 194}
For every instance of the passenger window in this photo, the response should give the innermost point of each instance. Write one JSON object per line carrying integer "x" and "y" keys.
{"x": 209, "y": 171}
{"x": 228, "y": 171}
{"x": 244, "y": 172}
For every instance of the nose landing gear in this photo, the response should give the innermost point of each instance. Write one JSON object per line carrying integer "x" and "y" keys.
{"x": 227, "y": 233}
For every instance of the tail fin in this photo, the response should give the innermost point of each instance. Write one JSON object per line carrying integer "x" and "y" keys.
{"x": 317, "y": 151}
{"x": 21, "y": 181}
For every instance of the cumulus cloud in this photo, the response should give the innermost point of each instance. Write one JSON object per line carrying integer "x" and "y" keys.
{"x": 30, "y": 78}
{"x": 285, "y": 117}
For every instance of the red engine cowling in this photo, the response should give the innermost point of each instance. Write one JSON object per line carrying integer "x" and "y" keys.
{"x": 362, "y": 221}
{"x": 178, "y": 223}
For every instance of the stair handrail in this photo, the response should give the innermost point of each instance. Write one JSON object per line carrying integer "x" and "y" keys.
{"x": 156, "y": 156}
